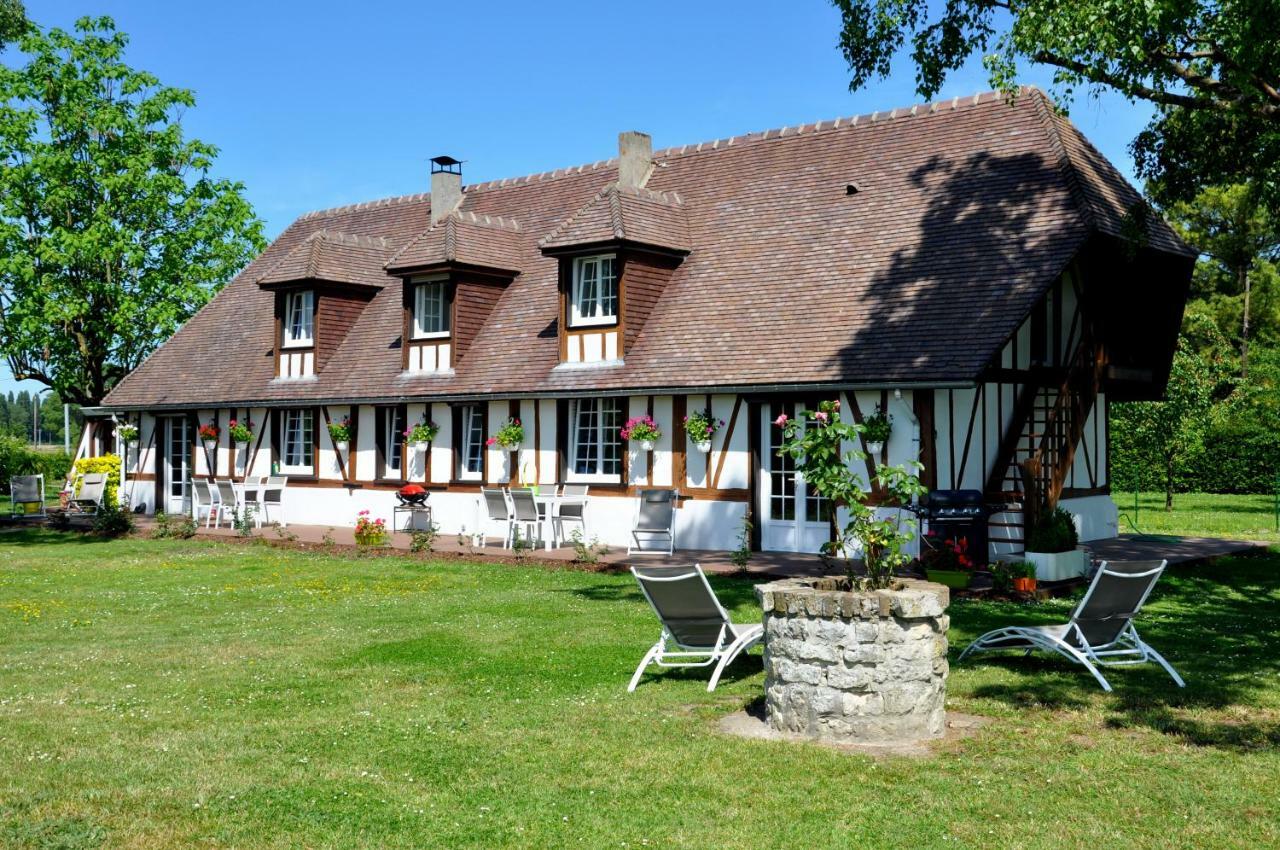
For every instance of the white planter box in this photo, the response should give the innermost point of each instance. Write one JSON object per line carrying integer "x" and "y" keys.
{"x": 1057, "y": 566}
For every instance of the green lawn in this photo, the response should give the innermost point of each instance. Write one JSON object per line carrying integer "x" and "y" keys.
{"x": 201, "y": 694}
{"x": 1201, "y": 514}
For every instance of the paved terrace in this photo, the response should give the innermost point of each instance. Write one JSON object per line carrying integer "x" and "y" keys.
{"x": 1178, "y": 550}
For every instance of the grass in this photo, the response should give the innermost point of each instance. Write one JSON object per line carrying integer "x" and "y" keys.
{"x": 201, "y": 694}
{"x": 1201, "y": 515}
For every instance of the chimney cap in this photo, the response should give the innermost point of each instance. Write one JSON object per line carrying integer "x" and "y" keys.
{"x": 447, "y": 164}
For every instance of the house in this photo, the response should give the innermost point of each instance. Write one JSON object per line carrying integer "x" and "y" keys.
{"x": 974, "y": 268}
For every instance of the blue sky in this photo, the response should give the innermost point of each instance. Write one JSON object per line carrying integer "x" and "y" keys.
{"x": 318, "y": 104}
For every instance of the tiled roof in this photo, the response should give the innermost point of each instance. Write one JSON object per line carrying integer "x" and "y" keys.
{"x": 335, "y": 257}
{"x": 618, "y": 214}
{"x": 966, "y": 211}
{"x": 464, "y": 238}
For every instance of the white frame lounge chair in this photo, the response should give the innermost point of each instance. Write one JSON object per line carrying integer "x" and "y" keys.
{"x": 655, "y": 517}
{"x": 204, "y": 499}
{"x": 526, "y": 513}
{"x": 1100, "y": 632}
{"x": 572, "y": 511}
{"x": 23, "y": 490}
{"x": 271, "y": 495}
{"x": 228, "y": 502}
{"x": 693, "y": 622}
{"x": 92, "y": 490}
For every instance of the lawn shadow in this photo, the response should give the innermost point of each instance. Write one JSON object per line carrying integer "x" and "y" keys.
{"x": 41, "y": 536}
{"x": 1218, "y": 625}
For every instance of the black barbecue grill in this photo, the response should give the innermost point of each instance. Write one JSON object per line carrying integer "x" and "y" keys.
{"x": 952, "y": 514}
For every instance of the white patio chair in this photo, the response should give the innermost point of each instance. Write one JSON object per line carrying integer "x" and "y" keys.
{"x": 693, "y": 622}
{"x": 228, "y": 502}
{"x": 571, "y": 511}
{"x": 655, "y": 521}
{"x": 251, "y": 491}
{"x": 24, "y": 491}
{"x": 527, "y": 513}
{"x": 497, "y": 511}
{"x": 204, "y": 500}
{"x": 1100, "y": 632}
{"x": 87, "y": 499}
{"x": 271, "y": 497}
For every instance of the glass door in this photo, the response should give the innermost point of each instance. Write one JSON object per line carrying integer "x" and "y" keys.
{"x": 794, "y": 518}
{"x": 177, "y": 465}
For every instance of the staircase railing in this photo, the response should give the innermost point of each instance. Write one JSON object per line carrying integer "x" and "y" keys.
{"x": 1047, "y": 469}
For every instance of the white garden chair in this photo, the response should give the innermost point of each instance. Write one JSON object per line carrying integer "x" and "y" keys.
{"x": 498, "y": 511}
{"x": 1101, "y": 631}
{"x": 87, "y": 499}
{"x": 696, "y": 629}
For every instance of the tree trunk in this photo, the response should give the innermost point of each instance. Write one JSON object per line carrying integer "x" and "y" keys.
{"x": 1243, "y": 275}
{"x": 1168, "y": 483}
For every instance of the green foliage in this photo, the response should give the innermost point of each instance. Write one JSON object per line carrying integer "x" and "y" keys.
{"x": 584, "y": 551}
{"x": 55, "y": 466}
{"x": 877, "y": 427}
{"x": 1002, "y": 576}
{"x": 823, "y": 448}
{"x": 112, "y": 231}
{"x": 167, "y": 527}
{"x": 15, "y": 459}
{"x": 424, "y": 539}
{"x": 741, "y": 556}
{"x": 1053, "y": 531}
{"x": 110, "y": 464}
{"x": 112, "y": 521}
{"x": 13, "y": 21}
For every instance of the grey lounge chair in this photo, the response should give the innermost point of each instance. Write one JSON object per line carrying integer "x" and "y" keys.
{"x": 693, "y": 622}
{"x": 655, "y": 520}
{"x": 26, "y": 490}
{"x": 88, "y": 500}
{"x": 1100, "y": 632}
{"x": 497, "y": 510}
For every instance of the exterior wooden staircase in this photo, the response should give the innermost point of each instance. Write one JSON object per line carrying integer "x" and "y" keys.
{"x": 1039, "y": 448}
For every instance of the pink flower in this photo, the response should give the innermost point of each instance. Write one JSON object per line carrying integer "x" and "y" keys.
{"x": 492, "y": 441}
{"x": 781, "y": 421}
{"x": 821, "y": 416}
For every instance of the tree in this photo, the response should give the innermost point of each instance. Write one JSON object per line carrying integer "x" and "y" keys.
{"x": 112, "y": 231}
{"x": 1160, "y": 434}
{"x": 1192, "y": 54}
{"x": 13, "y": 21}
{"x": 1237, "y": 237}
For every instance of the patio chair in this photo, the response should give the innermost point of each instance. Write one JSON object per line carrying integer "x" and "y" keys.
{"x": 204, "y": 500}
{"x": 88, "y": 499}
{"x": 1101, "y": 631}
{"x": 693, "y": 622}
{"x": 25, "y": 491}
{"x": 228, "y": 502}
{"x": 655, "y": 520}
{"x": 573, "y": 512}
{"x": 497, "y": 511}
{"x": 271, "y": 496}
{"x": 251, "y": 490}
{"x": 526, "y": 513}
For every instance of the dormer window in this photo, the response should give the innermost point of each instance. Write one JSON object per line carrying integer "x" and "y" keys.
{"x": 431, "y": 308}
{"x": 594, "y": 296}
{"x": 299, "y": 319}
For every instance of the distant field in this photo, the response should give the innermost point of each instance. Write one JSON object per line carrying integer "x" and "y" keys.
{"x": 1201, "y": 515}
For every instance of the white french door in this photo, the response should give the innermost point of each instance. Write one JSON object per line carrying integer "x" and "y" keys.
{"x": 793, "y": 517}
{"x": 177, "y": 465}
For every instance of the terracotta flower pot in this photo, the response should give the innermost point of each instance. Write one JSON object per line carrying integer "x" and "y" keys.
{"x": 1024, "y": 585}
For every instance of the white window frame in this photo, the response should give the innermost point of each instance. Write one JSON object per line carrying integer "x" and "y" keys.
{"x": 602, "y": 432}
{"x": 422, "y": 287}
{"x": 301, "y": 305}
{"x": 471, "y": 443}
{"x": 576, "y": 317}
{"x": 393, "y": 425}
{"x": 308, "y": 446}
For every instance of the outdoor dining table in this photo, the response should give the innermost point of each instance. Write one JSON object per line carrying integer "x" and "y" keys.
{"x": 551, "y": 504}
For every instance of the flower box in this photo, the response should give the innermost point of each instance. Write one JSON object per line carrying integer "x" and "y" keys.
{"x": 874, "y": 447}
{"x": 1058, "y": 566}
{"x": 703, "y": 446}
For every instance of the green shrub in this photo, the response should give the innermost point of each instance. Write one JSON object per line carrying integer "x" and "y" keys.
{"x": 15, "y": 459}
{"x": 53, "y": 465}
{"x": 109, "y": 464}
{"x": 1055, "y": 531}
{"x": 112, "y": 521}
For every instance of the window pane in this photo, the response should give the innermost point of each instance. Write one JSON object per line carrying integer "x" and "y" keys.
{"x": 595, "y": 290}
{"x": 299, "y": 318}
{"x": 597, "y": 443}
{"x": 472, "y": 440}
{"x": 393, "y": 440}
{"x": 430, "y": 309}
{"x": 298, "y": 440}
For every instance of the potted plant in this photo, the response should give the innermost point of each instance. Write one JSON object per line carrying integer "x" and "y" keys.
{"x": 421, "y": 434}
{"x": 1051, "y": 546}
{"x": 701, "y": 427}
{"x": 947, "y": 561}
{"x": 209, "y": 434}
{"x": 876, "y": 429}
{"x": 1024, "y": 576}
{"x": 241, "y": 433}
{"x": 509, "y": 436}
{"x": 340, "y": 433}
{"x": 643, "y": 431}
{"x": 127, "y": 433}
{"x": 370, "y": 532}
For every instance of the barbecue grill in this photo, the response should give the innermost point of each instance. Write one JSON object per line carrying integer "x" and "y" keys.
{"x": 953, "y": 514}
{"x": 412, "y": 495}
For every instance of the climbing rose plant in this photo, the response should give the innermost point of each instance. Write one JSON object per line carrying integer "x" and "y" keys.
{"x": 824, "y": 450}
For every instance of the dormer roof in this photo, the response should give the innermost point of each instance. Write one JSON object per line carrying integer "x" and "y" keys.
{"x": 463, "y": 239}
{"x": 624, "y": 215}
{"x": 330, "y": 256}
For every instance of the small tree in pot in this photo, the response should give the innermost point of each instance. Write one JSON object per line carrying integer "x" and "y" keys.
{"x": 1051, "y": 545}
{"x": 824, "y": 450}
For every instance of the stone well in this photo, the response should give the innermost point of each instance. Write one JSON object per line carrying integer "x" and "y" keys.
{"x": 855, "y": 666}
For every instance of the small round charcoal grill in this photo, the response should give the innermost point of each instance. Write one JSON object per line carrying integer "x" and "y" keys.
{"x": 411, "y": 495}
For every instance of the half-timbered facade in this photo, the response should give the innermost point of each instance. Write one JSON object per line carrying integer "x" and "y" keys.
{"x": 973, "y": 268}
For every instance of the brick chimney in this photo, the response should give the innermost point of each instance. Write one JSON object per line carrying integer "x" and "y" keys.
{"x": 635, "y": 159}
{"x": 446, "y": 186}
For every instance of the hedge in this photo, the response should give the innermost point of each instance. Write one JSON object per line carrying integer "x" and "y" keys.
{"x": 109, "y": 464}
{"x": 1240, "y": 457}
